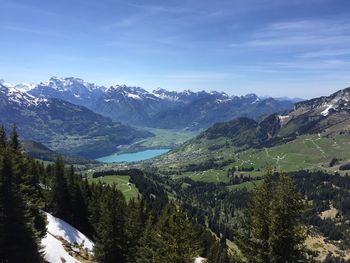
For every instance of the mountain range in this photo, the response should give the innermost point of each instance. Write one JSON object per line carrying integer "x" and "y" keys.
{"x": 63, "y": 126}
{"x": 327, "y": 116}
{"x": 159, "y": 108}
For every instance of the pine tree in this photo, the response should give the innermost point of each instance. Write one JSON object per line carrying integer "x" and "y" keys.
{"x": 135, "y": 219}
{"x": 172, "y": 239}
{"x": 60, "y": 200}
{"x": 79, "y": 212}
{"x": 17, "y": 240}
{"x": 286, "y": 231}
{"x": 260, "y": 220}
{"x": 3, "y": 139}
{"x": 110, "y": 246}
{"x": 14, "y": 141}
{"x": 274, "y": 229}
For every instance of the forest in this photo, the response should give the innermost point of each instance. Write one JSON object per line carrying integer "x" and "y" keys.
{"x": 171, "y": 220}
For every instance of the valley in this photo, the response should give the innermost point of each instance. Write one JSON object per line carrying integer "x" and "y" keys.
{"x": 175, "y": 131}
{"x": 211, "y": 172}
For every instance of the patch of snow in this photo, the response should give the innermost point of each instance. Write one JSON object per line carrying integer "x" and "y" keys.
{"x": 255, "y": 101}
{"x": 133, "y": 96}
{"x": 281, "y": 117}
{"x": 24, "y": 87}
{"x": 200, "y": 260}
{"x": 54, "y": 250}
{"x": 5, "y": 84}
{"x": 326, "y": 111}
{"x": 59, "y": 227}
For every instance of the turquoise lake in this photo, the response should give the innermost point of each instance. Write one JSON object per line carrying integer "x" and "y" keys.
{"x": 132, "y": 157}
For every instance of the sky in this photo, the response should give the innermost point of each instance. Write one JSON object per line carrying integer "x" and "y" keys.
{"x": 295, "y": 48}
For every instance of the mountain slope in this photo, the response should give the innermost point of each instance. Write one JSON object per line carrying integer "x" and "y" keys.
{"x": 324, "y": 119}
{"x": 64, "y": 242}
{"x": 203, "y": 113}
{"x": 40, "y": 151}
{"x": 62, "y": 126}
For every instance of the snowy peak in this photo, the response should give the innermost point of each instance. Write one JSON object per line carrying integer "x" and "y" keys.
{"x": 25, "y": 86}
{"x": 70, "y": 84}
{"x": 188, "y": 95}
{"x": 326, "y": 105}
{"x": 73, "y": 90}
{"x": 13, "y": 95}
{"x": 119, "y": 92}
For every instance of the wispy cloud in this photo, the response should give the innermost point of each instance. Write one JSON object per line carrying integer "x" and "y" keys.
{"x": 300, "y": 33}
{"x": 326, "y": 53}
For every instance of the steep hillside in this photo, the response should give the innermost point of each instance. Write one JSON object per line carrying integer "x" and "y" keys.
{"x": 40, "y": 151}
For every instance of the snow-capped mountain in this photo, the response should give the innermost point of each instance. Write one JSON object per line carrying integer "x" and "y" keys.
{"x": 159, "y": 108}
{"x": 10, "y": 95}
{"x": 74, "y": 90}
{"x": 329, "y": 114}
{"x": 55, "y": 122}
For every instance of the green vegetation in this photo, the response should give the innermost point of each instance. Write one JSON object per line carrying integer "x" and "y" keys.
{"x": 122, "y": 183}
{"x": 274, "y": 232}
{"x": 41, "y": 152}
{"x": 21, "y": 225}
{"x": 311, "y": 152}
{"x": 163, "y": 138}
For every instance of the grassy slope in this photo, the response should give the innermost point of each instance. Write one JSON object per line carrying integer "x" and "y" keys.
{"x": 121, "y": 182}
{"x": 306, "y": 152}
{"x": 162, "y": 139}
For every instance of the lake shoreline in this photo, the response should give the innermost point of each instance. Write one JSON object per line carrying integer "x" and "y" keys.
{"x": 132, "y": 156}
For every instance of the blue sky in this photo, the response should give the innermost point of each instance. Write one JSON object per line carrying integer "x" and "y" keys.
{"x": 296, "y": 48}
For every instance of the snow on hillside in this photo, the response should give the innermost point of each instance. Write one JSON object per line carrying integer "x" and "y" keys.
{"x": 326, "y": 111}
{"x": 200, "y": 260}
{"x": 58, "y": 230}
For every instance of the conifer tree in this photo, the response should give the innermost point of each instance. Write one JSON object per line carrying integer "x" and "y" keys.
{"x": 135, "y": 219}
{"x": 260, "y": 220}
{"x": 110, "y": 246}
{"x": 172, "y": 239}
{"x": 60, "y": 199}
{"x": 275, "y": 232}
{"x": 14, "y": 139}
{"x": 286, "y": 231}
{"x": 17, "y": 239}
{"x": 3, "y": 139}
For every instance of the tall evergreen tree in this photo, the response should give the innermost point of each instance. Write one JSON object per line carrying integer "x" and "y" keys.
{"x": 275, "y": 232}
{"x": 17, "y": 239}
{"x": 260, "y": 220}
{"x": 14, "y": 138}
{"x": 286, "y": 230}
{"x": 135, "y": 220}
{"x": 3, "y": 139}
{"x": 60, "y": 200}
{"x": 172, "y": 239}
{"x": 110, "y": 246}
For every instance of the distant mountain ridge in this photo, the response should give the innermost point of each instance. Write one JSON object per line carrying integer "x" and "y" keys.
{"x": 159, "y": 108}
{"x": 63, "y": 126}
{"x": 327, "y": 116}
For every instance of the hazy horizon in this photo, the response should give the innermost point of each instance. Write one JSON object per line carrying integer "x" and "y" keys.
{"x": 268, "y": 47}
